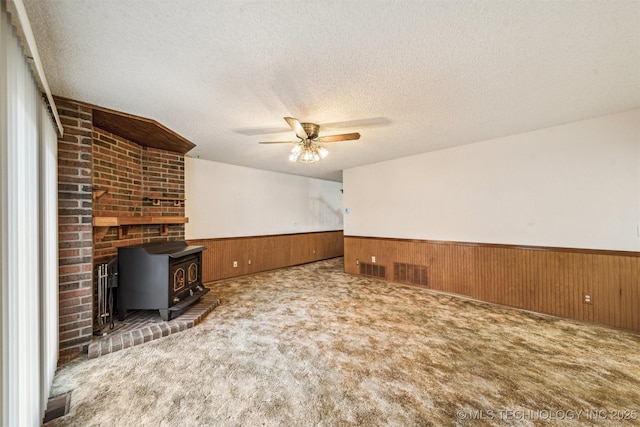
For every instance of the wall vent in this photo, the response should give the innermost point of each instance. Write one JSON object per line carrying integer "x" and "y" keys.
{"x": 373, "y": 270}
{"x": 410, "y": 273}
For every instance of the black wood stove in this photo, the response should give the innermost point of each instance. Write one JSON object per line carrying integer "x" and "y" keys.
{"x": 162, "y": 276}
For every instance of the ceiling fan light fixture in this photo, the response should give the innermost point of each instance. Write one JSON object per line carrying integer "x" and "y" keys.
{"x": 309, "y": 148}
{"x": 296, "y": 152}
{"x": 307, "y": 151}
{"x": 323, "y": 152}
{"x": 294, "y": 157}
{"x": 309, "y": 156}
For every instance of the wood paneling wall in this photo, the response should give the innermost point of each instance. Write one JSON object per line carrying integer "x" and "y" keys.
{"x": 546, "y": 280}
{"x": 262, "y": 253}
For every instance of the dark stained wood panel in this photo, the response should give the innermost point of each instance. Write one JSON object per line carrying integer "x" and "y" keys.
{"x": 546, "y": 280}
{"x": 142, "y": 131}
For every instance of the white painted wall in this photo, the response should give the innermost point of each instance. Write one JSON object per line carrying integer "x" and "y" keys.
{"x": 575, "y": 185}
{"x": 232, "y": 201}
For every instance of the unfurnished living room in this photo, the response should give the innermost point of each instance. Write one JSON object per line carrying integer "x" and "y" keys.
{"x": 320, "y": 213}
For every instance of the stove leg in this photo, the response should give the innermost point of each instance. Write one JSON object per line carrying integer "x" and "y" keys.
{"x": 165, "y": 314}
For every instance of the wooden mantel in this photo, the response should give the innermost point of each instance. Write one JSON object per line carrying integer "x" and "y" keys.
{"x": 102, "y": 223}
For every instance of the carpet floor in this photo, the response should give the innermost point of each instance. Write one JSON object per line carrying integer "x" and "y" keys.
{"x": 312, "y": 346}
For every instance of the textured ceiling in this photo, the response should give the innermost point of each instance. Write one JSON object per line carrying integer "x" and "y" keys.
{"x": 410, "y": 76}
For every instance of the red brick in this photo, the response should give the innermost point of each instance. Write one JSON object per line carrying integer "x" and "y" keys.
{"x": 63, "y": 311}
{"x": 69, "y": 269}
{"x": 66, "y": 228}
{"x": 64, "y": 278}
{"x": 63, "y": 320}
{"x": 68, "y": 335}
{"x": 69, "y": 302}
{"x": 68, "y": 253}
{"x": 78, "y": 325}
{"x": 69, "y": 236}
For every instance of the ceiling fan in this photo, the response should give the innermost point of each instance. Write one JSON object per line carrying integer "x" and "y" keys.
{"x": 309, "y": 148}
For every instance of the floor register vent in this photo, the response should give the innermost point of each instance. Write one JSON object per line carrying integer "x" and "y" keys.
{"x": 57, "y": 407}
{"x": 410, "y": 273}
{"x": 373, "y": 270}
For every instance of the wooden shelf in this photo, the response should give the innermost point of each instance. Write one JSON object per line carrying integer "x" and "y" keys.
{"x": 113, "y": 221}
{"x": 102, "y": 223}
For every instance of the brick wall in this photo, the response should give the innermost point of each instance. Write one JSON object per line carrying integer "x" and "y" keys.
{"x": 163, "y": 176}
{"x": 88, "y": 159}
{"x": 75, "y": 229}
{"x": 117, "y": 168}
{"x": 133, "y": 175}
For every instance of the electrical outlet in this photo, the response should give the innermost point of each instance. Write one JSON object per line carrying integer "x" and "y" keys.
{"x": 314, "y": 251}
{"x": 235, "y": 264}
{"x": 249, "y": 262}
{"x": 587, "y": 299}
{"x": 373, "y": 259}
{"x": 357, "y": 262}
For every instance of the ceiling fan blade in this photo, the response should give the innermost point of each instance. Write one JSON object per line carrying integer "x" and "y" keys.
{"x": 358, "y": 123}
{"x": 297, "y": 127}
{"x": 337, "y": 138}
{"x": 277, "y": 142}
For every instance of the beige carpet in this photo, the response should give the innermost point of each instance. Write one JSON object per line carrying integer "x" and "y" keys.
{"x": 311, "y": 346}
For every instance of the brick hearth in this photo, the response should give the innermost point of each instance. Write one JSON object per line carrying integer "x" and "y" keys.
{"x": 146, "y": 325}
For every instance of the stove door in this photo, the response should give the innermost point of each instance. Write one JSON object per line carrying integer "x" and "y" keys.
{"x": 184, "y": 275}
{"x": 177, "y": 281}
{"x": 179, "y": 278}
{"x": 193, "y": 271}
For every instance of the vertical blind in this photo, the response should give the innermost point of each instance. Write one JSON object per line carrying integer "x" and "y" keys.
{"x": 48, "y": 254}
{"x": 28, "y": 214}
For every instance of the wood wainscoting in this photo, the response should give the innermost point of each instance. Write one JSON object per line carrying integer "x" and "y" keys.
{"x": 261, "y": 253}
{"x": 592, "y": 285}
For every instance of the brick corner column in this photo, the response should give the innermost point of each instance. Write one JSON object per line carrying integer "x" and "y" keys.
{"x": 75, "y": 232}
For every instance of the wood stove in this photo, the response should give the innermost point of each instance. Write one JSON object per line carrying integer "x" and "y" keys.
{"x": 164, "y": 276}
